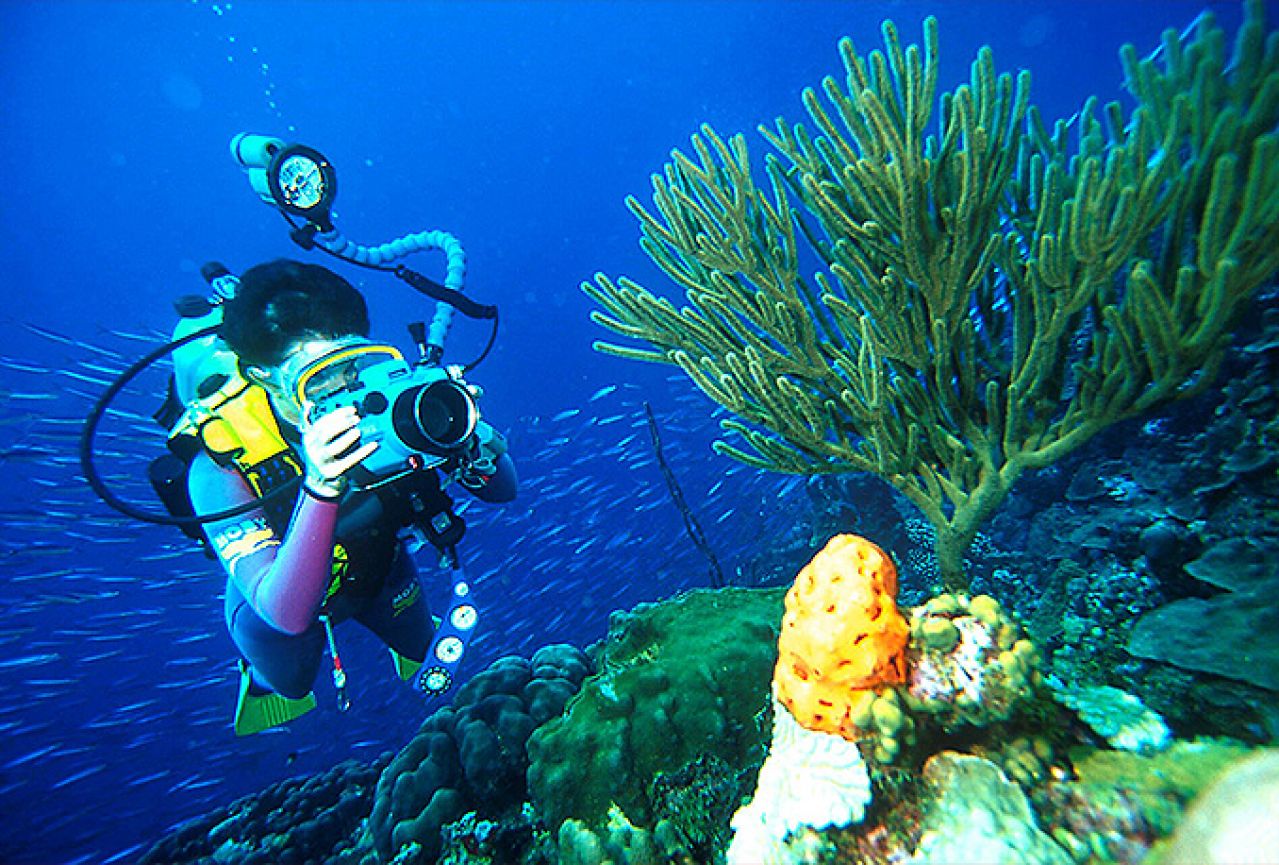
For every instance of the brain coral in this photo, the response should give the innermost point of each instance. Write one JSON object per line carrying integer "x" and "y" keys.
{"x": 842, "y": 636}
{"x": 677, "y": 681}
{"x": 471, "y": 756}
{"x": 810, "y": 778}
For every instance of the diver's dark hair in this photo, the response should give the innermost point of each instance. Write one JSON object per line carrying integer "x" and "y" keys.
{"x": 282, "y": 301}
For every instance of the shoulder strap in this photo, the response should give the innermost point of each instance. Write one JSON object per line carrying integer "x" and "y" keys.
{"x": 237, "y": 428}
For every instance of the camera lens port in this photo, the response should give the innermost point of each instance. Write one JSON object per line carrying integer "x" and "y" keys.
{"x": 435, "y": 418}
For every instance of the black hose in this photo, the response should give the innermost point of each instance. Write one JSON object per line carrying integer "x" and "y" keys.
{"x": 492, "y": 339}
{"x": 91, "y": 429}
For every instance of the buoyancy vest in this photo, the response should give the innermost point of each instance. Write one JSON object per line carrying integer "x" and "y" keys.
{"x": 238, "y": 429}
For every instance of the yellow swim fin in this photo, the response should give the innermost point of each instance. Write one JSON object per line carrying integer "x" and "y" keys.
{"x": 405, "y": 668}
{"x": 257, "y": 712}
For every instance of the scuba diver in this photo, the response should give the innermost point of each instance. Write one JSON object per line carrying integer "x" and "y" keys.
{"x": 322, "y": 556}
{"x": 310, "y": 460}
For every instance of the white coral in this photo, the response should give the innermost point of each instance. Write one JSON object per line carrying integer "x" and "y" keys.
{"x": 1120, "y": 718}
{"x": 809, "y": 779}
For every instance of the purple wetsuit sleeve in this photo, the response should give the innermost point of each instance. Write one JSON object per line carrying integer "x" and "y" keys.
{"x": 285, "y": 581}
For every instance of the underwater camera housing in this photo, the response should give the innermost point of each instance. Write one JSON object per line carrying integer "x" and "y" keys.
{"x": 421, "y": 416}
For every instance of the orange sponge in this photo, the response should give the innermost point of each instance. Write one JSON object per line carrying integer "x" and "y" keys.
{"x": 842, "y": 637}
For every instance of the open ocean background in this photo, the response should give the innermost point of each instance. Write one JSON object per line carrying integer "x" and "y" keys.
{"x": 519, "y": 127}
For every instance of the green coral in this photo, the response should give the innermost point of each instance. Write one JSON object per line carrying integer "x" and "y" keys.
{"x": 1159, "y": 785}
{"x": 678, "y": 682}
{"x": 1118, "y": 717}
{"x": 697, "y": 802}
{"x": 993, "y": 295}
{"x": 968, "y": 663}
{"x": 619, "y": 842}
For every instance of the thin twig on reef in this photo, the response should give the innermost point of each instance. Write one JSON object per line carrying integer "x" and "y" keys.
{"x": 677, "y": 495}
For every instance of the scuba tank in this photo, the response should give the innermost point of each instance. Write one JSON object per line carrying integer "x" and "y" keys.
{"x": 201, "y": 366}
{"x": 207, "y": 359}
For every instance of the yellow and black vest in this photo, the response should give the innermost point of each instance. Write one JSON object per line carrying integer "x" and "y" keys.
{"x": 236, "y": 426}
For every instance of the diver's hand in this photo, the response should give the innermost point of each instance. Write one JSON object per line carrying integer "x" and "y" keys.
{"x": 329, "y": 445}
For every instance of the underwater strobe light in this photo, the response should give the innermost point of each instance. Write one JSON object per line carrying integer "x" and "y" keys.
{"x": 293, "y": 177}
{"x": 299, "y": 181}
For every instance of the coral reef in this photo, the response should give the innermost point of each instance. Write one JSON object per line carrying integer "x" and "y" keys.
{"x": 853, "y": 675}
{"x": 677, "y": 682}
{"x": 295, "y": 821}
{"x": 1088, "y": 547}
{"x": 472, "y": 756}
{"x": 968, "y": 663}
{"x": 1201, "y": 480}
{"x": 1219, "y": 634}
{"x": 994, "y": 296}
{"x": 977, "y": 815}
{"x": 985, "y": 763}
{"x": 970, "y": 680}
{"x": 1114, "y": 805}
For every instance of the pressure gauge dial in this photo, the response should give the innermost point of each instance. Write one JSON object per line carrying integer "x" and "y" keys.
{"x": 449, "y": 650}
{"x": 301, "y": 182}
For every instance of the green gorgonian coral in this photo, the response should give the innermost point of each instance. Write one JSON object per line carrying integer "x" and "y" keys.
{"x": 990, "y": 294}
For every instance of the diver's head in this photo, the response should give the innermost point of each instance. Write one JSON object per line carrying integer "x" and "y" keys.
{"x": 285, "y": 312}
{"x": 283, "y": 303}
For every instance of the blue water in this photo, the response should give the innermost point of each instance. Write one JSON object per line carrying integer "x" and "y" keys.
{"x": 518, "y": 127}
